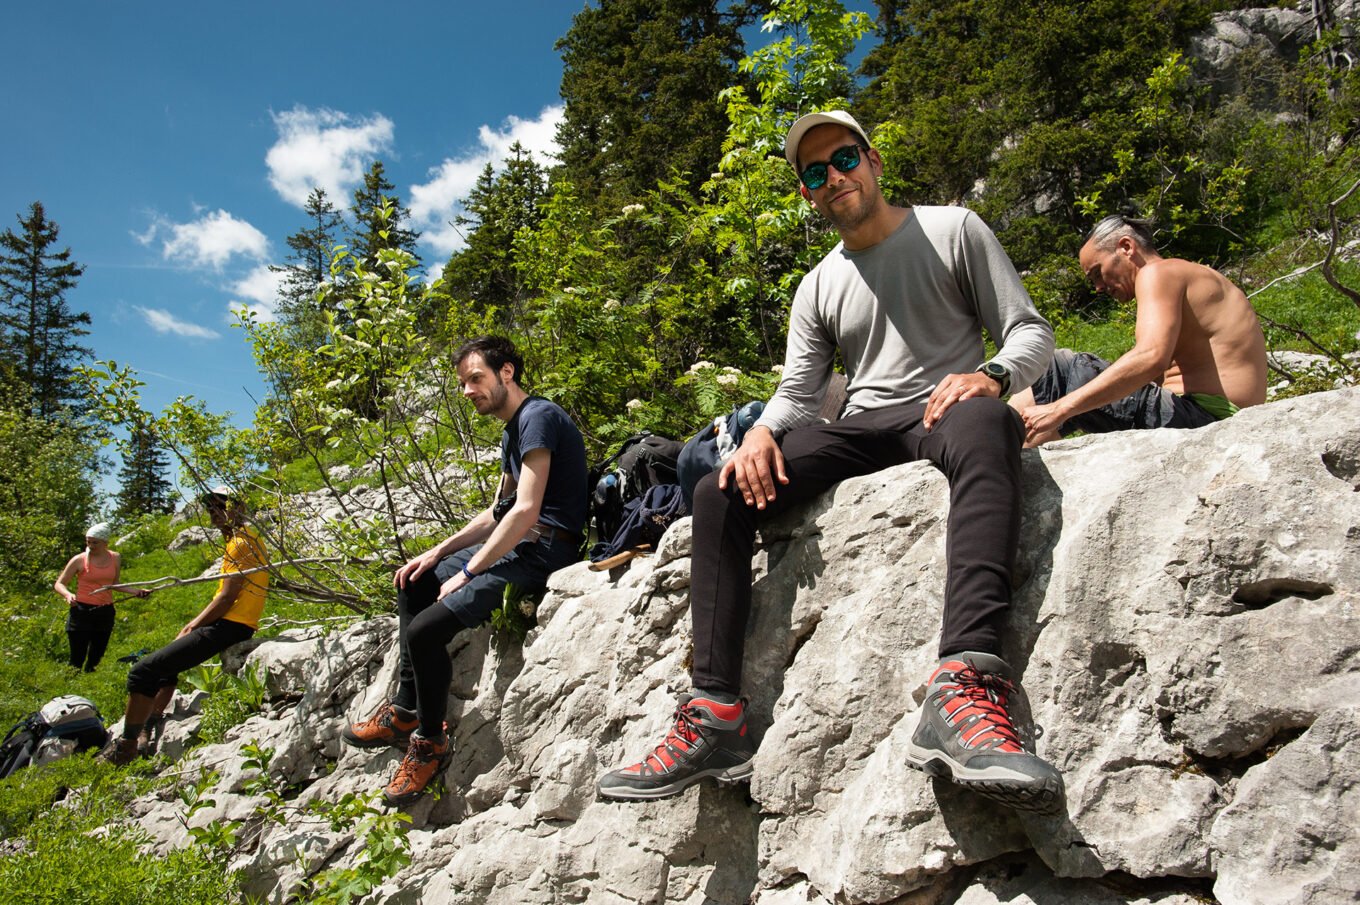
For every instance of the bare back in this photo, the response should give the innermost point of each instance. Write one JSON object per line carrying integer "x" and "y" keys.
{"x": 1220, "y": 348}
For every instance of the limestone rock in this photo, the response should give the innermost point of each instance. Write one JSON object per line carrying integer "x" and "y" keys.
{"x": 191, "y": 537}
{"x": 1184, "y": 623}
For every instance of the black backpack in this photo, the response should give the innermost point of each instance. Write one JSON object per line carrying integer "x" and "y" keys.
{"x": 641, "y": 462}
{"x": 62, "y": 727}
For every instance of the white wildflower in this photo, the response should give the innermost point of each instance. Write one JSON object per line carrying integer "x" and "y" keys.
{"x": 731, "y": 370}
{"x": 633, "y": 405}
{"x": 728, "y": 380}
{"x": 611, "y": 304}
{"x": 777, "y": 369}
{"x": 699, "y": 366}
{"x": 631, "y": 209}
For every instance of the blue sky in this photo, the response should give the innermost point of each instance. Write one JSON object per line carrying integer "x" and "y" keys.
{"x": 174, "y": 145}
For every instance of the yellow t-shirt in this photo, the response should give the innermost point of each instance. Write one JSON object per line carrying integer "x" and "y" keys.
{"x": 245, "y": 551}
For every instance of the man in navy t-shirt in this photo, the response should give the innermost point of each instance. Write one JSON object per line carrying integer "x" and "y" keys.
{"x": 534, "y": 529}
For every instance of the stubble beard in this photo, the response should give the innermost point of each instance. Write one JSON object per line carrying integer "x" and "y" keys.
{"x": 856, "y": 215}
{"x": 495, "y": 398}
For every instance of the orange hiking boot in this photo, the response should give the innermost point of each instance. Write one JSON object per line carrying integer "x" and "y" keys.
{"x": 391, "y": 725}
{"x": 425, "y": 759}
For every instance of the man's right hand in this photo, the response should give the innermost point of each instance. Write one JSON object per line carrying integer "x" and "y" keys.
{"x": 756, "y": 466}
{"x": 415, "y": 568}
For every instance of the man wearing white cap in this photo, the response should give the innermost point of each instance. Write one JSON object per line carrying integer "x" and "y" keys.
{"x": 232, "y": 616}
{"x": 904, "y": 299}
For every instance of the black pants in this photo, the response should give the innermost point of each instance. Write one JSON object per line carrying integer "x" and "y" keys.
{"x": 88, "y": 629}
{"x": 161, "y": 668}
{"x": 977, "y": 446}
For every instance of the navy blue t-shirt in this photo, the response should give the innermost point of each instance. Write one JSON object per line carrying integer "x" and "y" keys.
{"x": 541, "y": 424}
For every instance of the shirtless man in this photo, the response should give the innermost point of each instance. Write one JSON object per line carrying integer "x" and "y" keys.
{"x": 1198, "y": 354}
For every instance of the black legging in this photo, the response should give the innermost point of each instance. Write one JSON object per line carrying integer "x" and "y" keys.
{"x": 428, "y": 634}
{"x": 429, "y": 624}
{"x": 88, "y": 629}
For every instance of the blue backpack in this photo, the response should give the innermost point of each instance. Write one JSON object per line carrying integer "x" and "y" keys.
{"x": 701, "y": 454}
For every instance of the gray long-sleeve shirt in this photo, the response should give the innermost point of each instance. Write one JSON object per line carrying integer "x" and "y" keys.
{"x": 905, "y": 313}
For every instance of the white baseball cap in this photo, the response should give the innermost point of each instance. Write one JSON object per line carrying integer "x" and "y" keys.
{"x": 811, "y": 121}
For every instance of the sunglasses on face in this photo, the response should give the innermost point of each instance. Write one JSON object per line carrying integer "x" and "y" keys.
{"x": 843, "y": 159}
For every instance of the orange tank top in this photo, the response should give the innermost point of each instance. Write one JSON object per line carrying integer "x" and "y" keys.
{"x": 91, "y": 577}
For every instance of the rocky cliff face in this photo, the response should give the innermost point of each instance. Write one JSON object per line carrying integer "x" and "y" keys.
{"x": 1185, "y": 624}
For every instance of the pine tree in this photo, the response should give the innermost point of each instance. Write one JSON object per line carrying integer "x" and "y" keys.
{"x": 40, "y": 333}
{"x": 308, "y": 268}
{"x": 369, "y": 238}
{"x": 641, "y": 80}
{"x": 499, "y": 206}
{"x": 145, "y": 489}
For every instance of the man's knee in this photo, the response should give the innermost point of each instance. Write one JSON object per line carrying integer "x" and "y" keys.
{"x": 145, "y": 679}
{"x": 983, "y": 416}
{"x": 708, "y": 497}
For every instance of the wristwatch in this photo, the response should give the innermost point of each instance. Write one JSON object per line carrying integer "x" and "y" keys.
{"x": 998, "y": 373}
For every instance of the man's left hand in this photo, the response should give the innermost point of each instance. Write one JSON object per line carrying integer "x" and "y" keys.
{"x": 956, "y": 388}
{"x": 456, "y": 583}
{"x": 1042, "y": 421}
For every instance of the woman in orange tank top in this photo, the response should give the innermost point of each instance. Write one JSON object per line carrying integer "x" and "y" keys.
{"x": 89, "y": 624}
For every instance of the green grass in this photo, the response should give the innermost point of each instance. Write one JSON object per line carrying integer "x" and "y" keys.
{"x": 34, "y": 651}
{"x": 33, "y": 657}
{"x": 1310, "y": 305}
{"x": 60, "y": 857}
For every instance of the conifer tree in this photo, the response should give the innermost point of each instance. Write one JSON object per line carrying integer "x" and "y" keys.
{"x": 40, "y": 333}
{"x": 308, "y": 268}
{"x": 145, "y": 488}
{"x": 499, "y": 206}
{"x": 369, "y": 228}
{"x": 641, "y": 80}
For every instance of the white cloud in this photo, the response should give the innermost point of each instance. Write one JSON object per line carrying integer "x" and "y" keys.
{"x": 323, "y": 149}
{"x": 260, "y": 286}
{"x": 163, "y": 321}
{"x": 212, "y": 240}
{"x": 434, "y": 204}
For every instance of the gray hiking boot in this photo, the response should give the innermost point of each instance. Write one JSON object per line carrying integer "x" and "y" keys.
{"x": 966, "y": 734}
{"x": 707, "y": 739}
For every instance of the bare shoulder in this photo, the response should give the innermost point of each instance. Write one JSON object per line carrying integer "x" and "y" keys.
{"x": 1170, "y": 271}
{"x": 1165, "y": 280}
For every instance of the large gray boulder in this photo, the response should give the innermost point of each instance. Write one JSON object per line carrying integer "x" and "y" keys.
{"x": 1184, "y": 623}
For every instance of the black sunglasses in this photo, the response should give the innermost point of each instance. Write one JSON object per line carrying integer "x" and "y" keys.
{"x": 843, "y": 159}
